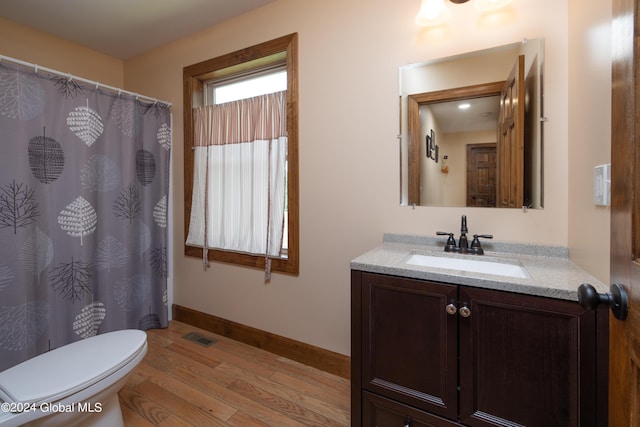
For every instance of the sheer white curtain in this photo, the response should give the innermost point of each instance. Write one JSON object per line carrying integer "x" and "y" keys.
{"x": 240, "y": 176}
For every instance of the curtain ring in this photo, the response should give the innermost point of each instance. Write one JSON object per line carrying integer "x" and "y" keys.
{"x": 69, "y": 77}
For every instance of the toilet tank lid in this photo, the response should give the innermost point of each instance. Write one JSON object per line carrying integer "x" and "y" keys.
{"x": 68, "y": 369}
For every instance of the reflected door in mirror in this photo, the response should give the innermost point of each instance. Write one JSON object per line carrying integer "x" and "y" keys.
{"x": 481, "y": 175}
{"x": 511, "y": 139}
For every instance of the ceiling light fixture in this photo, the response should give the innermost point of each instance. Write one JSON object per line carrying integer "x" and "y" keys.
{"x": 432, "y": 12}
{"x": 435, "y": 12}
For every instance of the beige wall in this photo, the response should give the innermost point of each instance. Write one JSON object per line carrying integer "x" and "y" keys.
{"x": 590, "y": 130}
{"x": 350, "y": 53}
{"x": 25, "y": 44}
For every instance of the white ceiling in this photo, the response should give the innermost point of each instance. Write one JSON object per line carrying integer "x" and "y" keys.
{"x": 123, "y": 28}
{"x": 483, "y": 114}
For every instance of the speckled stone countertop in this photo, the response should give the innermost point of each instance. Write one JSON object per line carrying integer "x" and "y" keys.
{"x": 551, "y": 273}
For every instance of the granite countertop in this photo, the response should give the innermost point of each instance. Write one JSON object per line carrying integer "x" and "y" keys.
{"x": 550, "y": 272}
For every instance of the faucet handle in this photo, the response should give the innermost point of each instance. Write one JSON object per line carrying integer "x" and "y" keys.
{"x": 476, "y": 248}
{"x": 451, "y": 242}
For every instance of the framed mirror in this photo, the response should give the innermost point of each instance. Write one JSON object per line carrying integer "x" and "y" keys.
{"x": 483, "y": 113}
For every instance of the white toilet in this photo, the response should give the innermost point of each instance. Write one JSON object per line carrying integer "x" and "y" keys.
{"x": 74, "y": 385}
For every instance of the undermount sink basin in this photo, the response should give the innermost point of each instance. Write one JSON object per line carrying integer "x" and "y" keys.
{"x": 470, "y": 265}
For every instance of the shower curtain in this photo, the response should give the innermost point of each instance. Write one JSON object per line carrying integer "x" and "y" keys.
{"x": 84, "y": 182}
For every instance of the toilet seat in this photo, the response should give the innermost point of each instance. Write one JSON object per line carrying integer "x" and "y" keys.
{"x": 66, "y": 370}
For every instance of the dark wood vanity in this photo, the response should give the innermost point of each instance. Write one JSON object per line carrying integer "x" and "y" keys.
{"x": 426, "y": 353}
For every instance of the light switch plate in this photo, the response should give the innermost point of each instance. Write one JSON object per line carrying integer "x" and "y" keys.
{"x": 602, "y": 185}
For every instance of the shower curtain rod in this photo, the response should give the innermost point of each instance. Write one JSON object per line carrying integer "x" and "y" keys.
{"x": 36, "y": 68}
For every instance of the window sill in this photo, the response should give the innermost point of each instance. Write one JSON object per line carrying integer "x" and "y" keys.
{"x": 288, "y": 264}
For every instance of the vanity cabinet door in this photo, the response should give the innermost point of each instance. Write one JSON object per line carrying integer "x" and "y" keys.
{"x": 381, "y": 412}
{"x": 526, "y": 360}
{"x": 409, "y": 342}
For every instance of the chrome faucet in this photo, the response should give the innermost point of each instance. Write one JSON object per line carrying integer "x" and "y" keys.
{"x": 463, "y": 244}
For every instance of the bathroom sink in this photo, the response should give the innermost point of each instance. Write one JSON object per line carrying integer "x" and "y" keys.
{"x": 470, "y": 265}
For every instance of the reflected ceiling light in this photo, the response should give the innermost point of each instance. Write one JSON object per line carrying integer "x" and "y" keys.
{"x": 432, "y": 12}
{"x": 435, "y": 12}
{"x": 464, "y": 106}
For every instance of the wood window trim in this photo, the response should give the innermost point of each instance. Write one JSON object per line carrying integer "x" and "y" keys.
{"x": 194, "y": 78}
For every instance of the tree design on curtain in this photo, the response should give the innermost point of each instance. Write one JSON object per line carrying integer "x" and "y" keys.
{"x": 37, "y": 252}
{"x": 69, "y": 88}
{"x": 72, "y": 280}
{"x": 78, "y": 219}
{"x": 159, "y": 262}
{"x": 22, "y": 324}
{"x": 88, "y": 322}
{"x": 100, "y": 173}
{"x": 18, "y": 207}
{"x": 145, "y": 167}
{"x": 6, "y": 276}
{"x": 21, "y": 96}
{"x": 86, "y": 123}
{"x": 128, "y": 204}
{"x": 46, "y": 158}
{"x": 111, "y": 254}
{"x": 84, "y": 179}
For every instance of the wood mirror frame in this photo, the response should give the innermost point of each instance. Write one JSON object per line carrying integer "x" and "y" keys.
{"x": 413, "y": 123}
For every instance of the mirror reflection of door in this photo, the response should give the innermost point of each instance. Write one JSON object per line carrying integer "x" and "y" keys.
{"x": 511, "y": 139}
{"x": 481, "y": 175}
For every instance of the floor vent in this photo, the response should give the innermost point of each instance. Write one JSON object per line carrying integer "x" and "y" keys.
{"x": 199, "y": 339}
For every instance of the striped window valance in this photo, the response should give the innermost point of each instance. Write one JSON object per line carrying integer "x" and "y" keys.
{"x": 259, "y": 118}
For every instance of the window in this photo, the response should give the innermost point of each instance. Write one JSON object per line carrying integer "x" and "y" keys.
{"x": 220, "y": 80}
{"x": 219, "y": 92}
{"x": 254, "y": 83}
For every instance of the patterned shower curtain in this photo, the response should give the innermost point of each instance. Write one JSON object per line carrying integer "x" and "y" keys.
{"x": 84, "y": 183}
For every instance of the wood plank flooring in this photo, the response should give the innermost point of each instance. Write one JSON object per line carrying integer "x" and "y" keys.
{"x": 183, "y": 383}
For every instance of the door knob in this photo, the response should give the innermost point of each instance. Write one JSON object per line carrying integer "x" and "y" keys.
{"x": 616, "y": 299}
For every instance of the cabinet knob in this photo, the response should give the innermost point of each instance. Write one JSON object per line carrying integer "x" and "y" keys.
{"x": 465, "y": 311}
{"x": 452, "y": 309}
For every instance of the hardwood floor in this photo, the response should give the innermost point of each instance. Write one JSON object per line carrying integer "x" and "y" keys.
{"x": 183, "y": 383}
